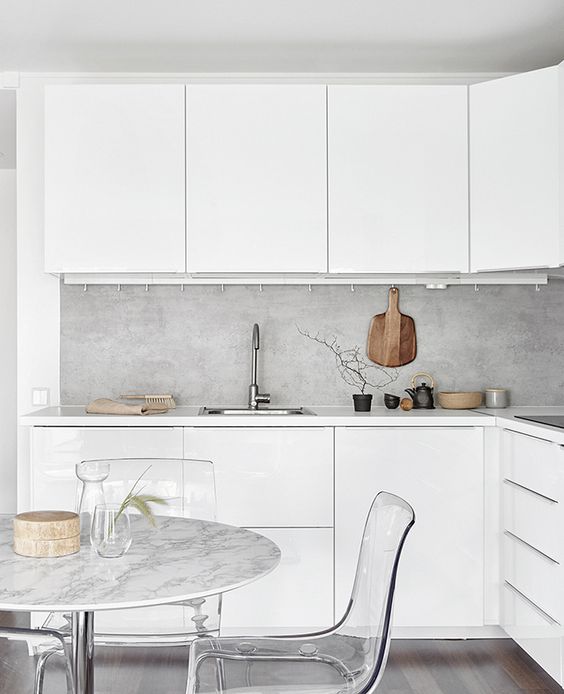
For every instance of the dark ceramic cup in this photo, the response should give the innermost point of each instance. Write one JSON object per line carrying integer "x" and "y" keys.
{"x": 391, "y": 401}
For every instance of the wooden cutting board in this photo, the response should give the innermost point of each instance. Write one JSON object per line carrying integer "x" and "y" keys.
{"x": 391, "y": 337}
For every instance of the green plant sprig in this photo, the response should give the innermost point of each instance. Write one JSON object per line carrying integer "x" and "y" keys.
{"x": 141, "y": 501}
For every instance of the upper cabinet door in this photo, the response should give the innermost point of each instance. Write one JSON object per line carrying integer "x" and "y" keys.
{"x": 514, "y": 171}
{"x": 398, "y": 178}
{"x": 256, "y": 178}
{"x": 114, "y": 178}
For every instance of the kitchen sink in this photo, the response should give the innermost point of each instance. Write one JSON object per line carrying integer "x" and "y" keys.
{"x": 285, "y": 411}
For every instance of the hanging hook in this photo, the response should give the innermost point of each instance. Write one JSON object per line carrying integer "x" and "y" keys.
{"x": 222, "y": 287}
{"x": 85, "y": 288}
{"x": 146, "y": 287}
{"x": 537, "y": 287}
{"x": 476, "y": 288}
{"x": 119, "y": 287}
{"x": 260, "y": 287}
{"x": 352, "y": 287}
{"x": 309, "y": 287}
{"x": 181, "y": 287}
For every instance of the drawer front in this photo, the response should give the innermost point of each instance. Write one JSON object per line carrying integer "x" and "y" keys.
{"x": 269, "y": 477}
{"x": 297, "y": 596}
{"x": 536, "y": 576}
{"x": 533, "y": 630}
{"x": 56, "y": 450}
{"x": 533, "y": 463}
{"x": 533, "y": 518}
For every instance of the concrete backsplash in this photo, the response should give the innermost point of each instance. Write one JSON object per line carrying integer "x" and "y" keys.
{"x": 196, "y": 343}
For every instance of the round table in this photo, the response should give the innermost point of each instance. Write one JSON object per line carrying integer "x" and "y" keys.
{"x": 180, "y": 559}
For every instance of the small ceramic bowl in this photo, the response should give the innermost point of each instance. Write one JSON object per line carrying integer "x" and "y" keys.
{"x": 391, "y": 401}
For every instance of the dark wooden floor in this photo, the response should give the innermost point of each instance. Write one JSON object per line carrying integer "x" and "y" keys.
{"x": 415, "y": 667}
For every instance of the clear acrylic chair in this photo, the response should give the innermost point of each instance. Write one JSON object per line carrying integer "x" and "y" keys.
{"x": 188, "y": 486}
{"x": 347, "y": 658}
{"x": 42, "y": 643}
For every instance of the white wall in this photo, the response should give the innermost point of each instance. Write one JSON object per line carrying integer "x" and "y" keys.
{"x": 8, "y": 388}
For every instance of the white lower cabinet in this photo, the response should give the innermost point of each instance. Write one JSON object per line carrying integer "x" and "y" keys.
{"x": 269, "y": 476}
{"x": 534, "y": 630}
{"x": 56, "y": 450}
{"x": 440, "y": 471}
{"x": 296, "y": 596}
{"x": 532, "y": 540}
{"x": 278, "y": 481}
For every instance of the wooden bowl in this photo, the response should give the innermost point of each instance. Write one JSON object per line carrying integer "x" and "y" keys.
{"x": 460, "y": 400}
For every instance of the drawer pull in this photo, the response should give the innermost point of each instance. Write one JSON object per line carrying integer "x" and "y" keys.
{"x": 509, "y": 534}
{"x": 535, "y": 607}
{"x": 531, "y": 491}
{"x": 531, "y": 436}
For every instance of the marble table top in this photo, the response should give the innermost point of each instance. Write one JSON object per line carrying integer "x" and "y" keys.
{"x": 180, "y": 559}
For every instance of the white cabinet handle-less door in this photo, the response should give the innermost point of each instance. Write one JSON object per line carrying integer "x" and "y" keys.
{"x": 515, "y": 182}
{"x": 114, "y": 178}
{"x": 398, "y": 178}
{"x": 440, "y": 471}
{"x": 256, "y": 178}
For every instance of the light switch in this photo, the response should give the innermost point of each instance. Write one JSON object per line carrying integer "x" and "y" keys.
{"x": 40, "y": 397}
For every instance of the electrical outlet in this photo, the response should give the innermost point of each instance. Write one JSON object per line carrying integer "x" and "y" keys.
{"x": 40, "y": 397}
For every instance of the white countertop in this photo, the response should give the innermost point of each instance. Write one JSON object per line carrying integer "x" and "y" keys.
{"x": 68, "y": 416}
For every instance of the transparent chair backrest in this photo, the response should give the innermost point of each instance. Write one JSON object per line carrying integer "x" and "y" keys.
{"x": 369, "y": 613}
{"x": 187, "y": 485}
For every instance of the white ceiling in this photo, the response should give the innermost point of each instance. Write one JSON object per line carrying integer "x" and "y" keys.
{"x": 7, "y": 129}
{"x": 281, "y": 35}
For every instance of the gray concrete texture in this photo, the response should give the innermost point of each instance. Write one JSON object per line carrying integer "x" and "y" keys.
{"x": 196, "y": 343}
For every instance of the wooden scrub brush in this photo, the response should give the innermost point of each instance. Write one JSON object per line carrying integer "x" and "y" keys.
{"x": 153, "y": 402}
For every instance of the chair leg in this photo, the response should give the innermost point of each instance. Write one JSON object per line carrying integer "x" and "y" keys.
{"x": 40, "y": 671}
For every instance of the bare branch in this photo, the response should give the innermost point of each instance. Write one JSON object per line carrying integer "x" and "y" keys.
{"x": 352, "y": 367}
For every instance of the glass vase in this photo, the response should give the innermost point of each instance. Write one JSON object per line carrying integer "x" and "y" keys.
{"x": 92, "y": 474}
{"x": 110, "y": 533}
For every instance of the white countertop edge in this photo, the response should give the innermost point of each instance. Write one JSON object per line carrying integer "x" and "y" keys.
{"x": 69, "y": 415}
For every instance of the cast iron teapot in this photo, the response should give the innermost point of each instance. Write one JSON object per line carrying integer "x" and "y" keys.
{"x": 422, "y": 395}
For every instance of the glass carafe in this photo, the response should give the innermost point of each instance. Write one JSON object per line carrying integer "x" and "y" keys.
{"x": 91, "y": 474}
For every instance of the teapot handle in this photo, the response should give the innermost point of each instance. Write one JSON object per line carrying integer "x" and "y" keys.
{"x": 422, "y": 373}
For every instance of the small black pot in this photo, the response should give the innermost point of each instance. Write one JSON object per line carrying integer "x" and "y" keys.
{"x": 391, "y": 401}
{"x": 362, "y": 403}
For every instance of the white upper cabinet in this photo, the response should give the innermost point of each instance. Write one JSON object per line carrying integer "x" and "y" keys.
{"x": 515, "y": 172}
{"x": 398, "y": 178}
{"x": 114, "y": 178}
{"x": 256, "y": 178}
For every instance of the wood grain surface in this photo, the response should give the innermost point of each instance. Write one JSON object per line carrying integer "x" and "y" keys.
{"x": 391, "y": 336}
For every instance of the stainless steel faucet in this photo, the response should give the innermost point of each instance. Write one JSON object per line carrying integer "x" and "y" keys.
{"x": 254, "y": 396}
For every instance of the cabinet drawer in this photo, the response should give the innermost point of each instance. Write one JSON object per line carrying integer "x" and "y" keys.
{"x": 296, "y": 596}
{"x": 532, "y": 517}
{"x": 534, "y": 631}
{"x": 536, "y": 576}
{"x": 269, "y": 477}
{"x": 56, "y": 450}
{"x": 533, "y": 463}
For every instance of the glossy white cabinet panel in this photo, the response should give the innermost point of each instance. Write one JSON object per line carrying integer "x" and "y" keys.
{"x": 398, "y": 178}
{"x": 534, "y": 463}
{"x": 536, "y": 576}
{"x": 296, "y": 596}
{"x": 269, "y": 477}
{"x": 56, "y": 450}
{"x": 515, "y": 185}
{"x": 440, "y": 471}
{"x": 536, "y": 632}
{"x": 256, "y": 178}
{"x": 114, "y": 178}
{"x": 533, "y": 518}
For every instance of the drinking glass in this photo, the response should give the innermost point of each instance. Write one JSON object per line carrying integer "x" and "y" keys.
{"x": 110, "y": 534}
